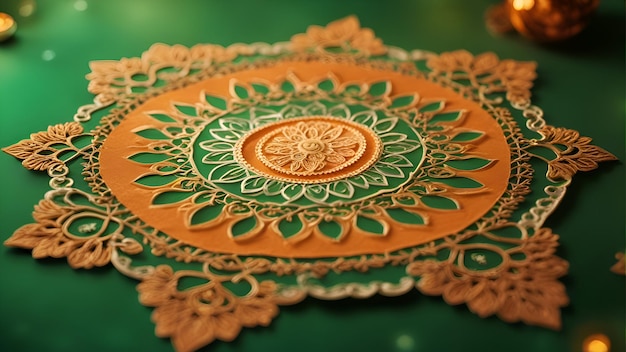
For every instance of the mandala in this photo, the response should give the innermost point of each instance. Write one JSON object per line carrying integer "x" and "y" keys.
{"x": 232, "y": 180}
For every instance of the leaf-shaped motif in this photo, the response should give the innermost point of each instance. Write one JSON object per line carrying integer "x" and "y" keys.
{"x": 203, "y": 197}
{"x": 273, "y": 187}
{"x": 396, "y": 160}
{"x": 353, "y": 89}
{"x": 260, "y": 308}
{"x": 460, "y": 182}
{"x": 455, "y": 292}
{"x": 52, "y": 209}
{"x": 90, "y": 253}
{"x": 371, "y": 225}
{"x": 212, "y": 158}
{"x": 389, "y": 170}
{"x": 467, "y": 136}
{"x": 226, "y": 135}
{"x": 293, "y": 111}
{"x": 484, "y": 297}
{"x": 29, "y": 236}
{"x": 177, "y": 131}
{"x": 38, "y": 159}
{"x": 543, "y": 152}
{"x": 342, "y": 189}
{"x": 161, "y": 116}
{"x": 216, "y": 102}
{"x": 375, "y": 178}
{"x": 579, "y": 153}
{"x": 265, "y": 119}
{"x": 189, "y": 110}
{"x": 57, "y": 133}
{"x": 404, "y": 101}
{"x": 253, "y": 184}
{"x": 379, "y": 89}
{"x": 316, "y": 193}
{"x": 130, "y": 246}
{"x": 217, "y": 146}
{"x": 292, "y": 191}
{"x": 23, "y": 149}
{"x": 449, "y": 116}
{"x": 290, "y": 227}
{"x": 148, "y": 158}
{"x": 155, "y": 180}
{"x": 245, "y": 228}
{"x": 405, "y": 216}
{"x": 327, "y": 85}
{"x": 393, "y": 138}
{"x": 440, "y": 202}
{"x": 315, "y": 108}
{"x": 259, "y": 112}
{"x": 206, "y": 214}
{"x": 260, "y": 88}
{"x": 151, "y": 133}
{"x": 405, "y": 200}
{"x": 228, "y": 173}
{"x": 385, "y": 125}
{"x": 234, "y": 123}
{"x": 432, "y": 107}
{"x": 340, "y": 110}
{"x": 238, "y": 90}
{"x": 403, "y": 147}
{"x": 359, "y": 181}
{"x": 171, "y": 197}
{"x": 287, "y": 86}
{"x": 367, "y": 118}
{"x": 469, "y": 164}
{"x": 331, "y": 229}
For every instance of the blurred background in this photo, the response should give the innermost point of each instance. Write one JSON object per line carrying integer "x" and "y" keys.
{"x": 47, "y": 306}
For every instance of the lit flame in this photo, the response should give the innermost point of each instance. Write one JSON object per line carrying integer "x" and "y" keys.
{"x": 7, "y": 25}
{"x": 519, "y": 5}
{"x": 597, "y": 343}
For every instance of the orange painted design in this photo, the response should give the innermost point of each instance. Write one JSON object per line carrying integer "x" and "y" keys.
{"x": 119, "y": 173}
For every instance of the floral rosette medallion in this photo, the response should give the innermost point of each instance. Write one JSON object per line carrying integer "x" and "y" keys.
{"x": 230, "y": 181}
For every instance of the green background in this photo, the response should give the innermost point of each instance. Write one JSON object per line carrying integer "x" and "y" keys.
{"x": 47, "y": 306}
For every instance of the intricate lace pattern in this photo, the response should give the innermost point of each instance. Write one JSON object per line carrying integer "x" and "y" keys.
{"x": 263, "y": 181}
{"x": 306, "y": 148}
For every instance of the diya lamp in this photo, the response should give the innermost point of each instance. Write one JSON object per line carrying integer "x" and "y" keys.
{"x": 542, "y": 20}
{"x": 7, "y": 26}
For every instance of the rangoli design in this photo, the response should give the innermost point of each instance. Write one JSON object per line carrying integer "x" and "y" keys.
{"x": 230, "y": 181}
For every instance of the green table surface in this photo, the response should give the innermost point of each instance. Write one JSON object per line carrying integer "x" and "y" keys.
{"x": 47, "y": 306}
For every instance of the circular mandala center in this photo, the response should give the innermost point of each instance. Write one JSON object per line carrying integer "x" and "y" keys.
{"x": 311, "y": 146}
{"x": 312, "y": 149}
